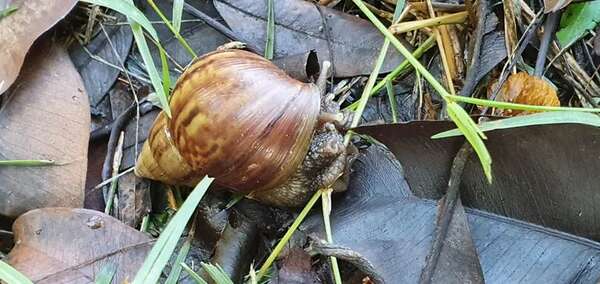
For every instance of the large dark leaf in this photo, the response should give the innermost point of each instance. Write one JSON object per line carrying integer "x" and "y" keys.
{"x": 302, "y": 26}
{"x": 380, "y": 219}
{"x": 21, "y": 28}
{"x": 98, "y": 76}
{"x": 542, "y": 174}
{"x": 201, "y": 37}
{"x": 46, "y": 117}
{"x": 64, "y": 245}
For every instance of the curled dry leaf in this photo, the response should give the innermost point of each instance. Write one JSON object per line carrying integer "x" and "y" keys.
{"x": 18, "y": 31}
{"x": 47, "y": 116}
{"x": 64, "y": 245}
{"x": 523, "y": 88}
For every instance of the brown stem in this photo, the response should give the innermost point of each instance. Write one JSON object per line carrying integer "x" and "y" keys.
{"x": 446, "y": 211}
{"x": 549, "y": 27}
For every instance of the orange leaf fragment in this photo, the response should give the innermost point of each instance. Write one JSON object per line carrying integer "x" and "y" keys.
{"x": 522, "y": 88}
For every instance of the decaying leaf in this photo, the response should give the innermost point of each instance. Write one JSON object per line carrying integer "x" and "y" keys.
{"x": 19, "y": 29}
{"x": 351, "y": 43}
{"x": 46, "y": 116}
{"x": 98, "y": 76}
{"x": 64, "y": 245}
{"x": 551, "y": 6}
{"x": 380, "y": 219}
{"x": 523, "y": 88}
{"x": 533, "y": 168}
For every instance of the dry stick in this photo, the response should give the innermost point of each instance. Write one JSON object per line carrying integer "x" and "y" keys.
{"x": 438, "y": 36}
{"x": 115, "y": 168}
{"x": 445, "y": 212}
{"x": 105, "y": 130}
{"x": 118, "y": 126}
{"x": 362, "y": 263}
{"x": 549, "y": 27}
{"x": 133, "y": 92}
{"x": 479, "y": 32}
{"x": 329, "y": 45}
{"x": 218, "y": 26}
{"x": 456, "y": 18}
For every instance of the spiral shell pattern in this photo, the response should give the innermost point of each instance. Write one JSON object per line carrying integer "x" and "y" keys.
{"x": 235, "y": 117}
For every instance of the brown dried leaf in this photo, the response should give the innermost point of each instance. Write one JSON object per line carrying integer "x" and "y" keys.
{"x": 523, "y": 88}
{"x": 510, "y": 26}
{"x": 46, "y": 116}
{"x": 64, "y": 245}
{"x": 352, "y": 44}
{"x": 18, "y": 31}
{"x": 555, "y": 5}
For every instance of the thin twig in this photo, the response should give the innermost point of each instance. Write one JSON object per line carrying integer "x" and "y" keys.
{"x": 133, "y": 92}
{"x": 549, "y": 27}
{"x": 118, "y": 126}
{"x": 329, "y": 45}
{"x": 438, "y": 36}
{"x": 218, "y": 26}
{"x": 321, "y": 247}
{"x": 115, "y": 168}
{"x": 471, "y": 76}
{"x": 445, "y": 212}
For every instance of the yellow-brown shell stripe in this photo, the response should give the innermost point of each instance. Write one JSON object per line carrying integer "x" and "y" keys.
{"x": 229, "y": 106}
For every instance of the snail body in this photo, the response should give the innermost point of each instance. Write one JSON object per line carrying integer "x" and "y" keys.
{"x": 240, "y": 119}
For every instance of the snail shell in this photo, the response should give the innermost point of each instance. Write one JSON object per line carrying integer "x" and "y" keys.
{"x": 235, "y": 117}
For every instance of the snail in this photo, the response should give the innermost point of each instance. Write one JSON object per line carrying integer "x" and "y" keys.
{"x": 242, "y": 120}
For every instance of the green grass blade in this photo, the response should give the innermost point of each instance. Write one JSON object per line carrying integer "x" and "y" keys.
{"x": 532, "y": 119}
{"x": 270, "y": 30}
{"x": 176, "y": 271}
{"x": 128, "y": 9}
{"x": 466, "y": 126}
{"x": 166, "y": 77}
{"x": 155, "y": 78}
{"x": 286, "y": 237}
{"x": 193, "y": 274}
{"x": 9, "y": 10}
{"x": 137, "y": 20}
{"x": 11, "y": 275}
{"x": 400, "y": 4}
{"x": 27, "y": 163}
{"x": 181, "y": 40}
{"x": 216, "y": 273}
{"x": 364, "y": 98}
{"x": 106, "y": 274}
{"x": 396, "y": 43}
{"x": 505, "y": 105}
{"x": 392, "y": 98}
{"x": 166, "y": 243}
{"x": 402, "y": 67}
{"x": 177, "y": 14}
{"x": 326, "y": 211}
